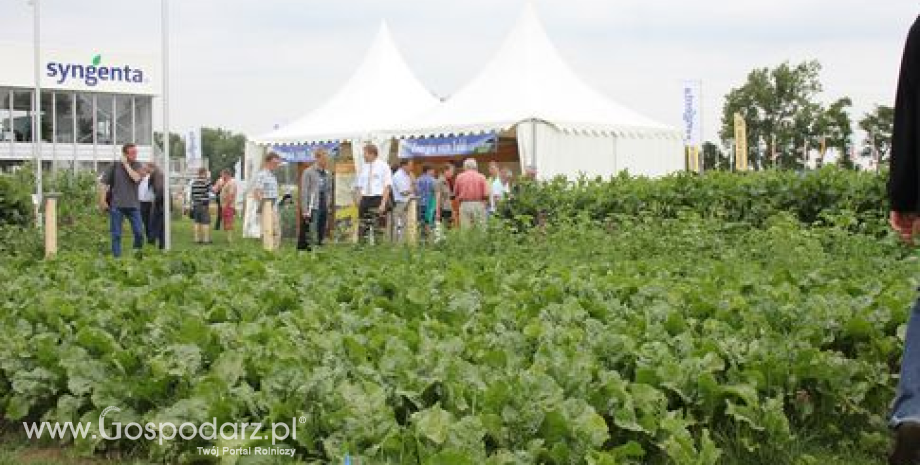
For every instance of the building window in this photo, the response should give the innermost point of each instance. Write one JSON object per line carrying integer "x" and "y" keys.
{"x": 6, "y": 118}
{"x": 47, "y": 106}
{"x": 63, "y": 118}
{"x": 22, "y": 116}
{"x": 105, "y": 122}
{"x": 124, "y": 115}
{"x": 143, "y": 120}
{"x": 84, "y": 114}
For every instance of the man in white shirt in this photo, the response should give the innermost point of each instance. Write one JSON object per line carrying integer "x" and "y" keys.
{"x": 372, "y": 189}
{"x": 402, "y": 191}
{"x": 146, "y": 197}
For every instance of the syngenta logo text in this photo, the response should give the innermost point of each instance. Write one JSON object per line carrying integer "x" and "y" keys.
{"x": 93, "y": 73}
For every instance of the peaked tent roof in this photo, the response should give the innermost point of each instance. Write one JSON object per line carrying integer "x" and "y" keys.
{"x": 382, "y": 92}
{"x": 528, "y": 80}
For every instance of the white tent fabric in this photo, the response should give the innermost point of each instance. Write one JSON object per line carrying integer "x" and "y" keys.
{"x": 527, "y": 85}
{"x": 382, "y": 92}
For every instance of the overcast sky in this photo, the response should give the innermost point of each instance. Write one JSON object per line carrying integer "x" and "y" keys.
{"x": 249, "y": 64}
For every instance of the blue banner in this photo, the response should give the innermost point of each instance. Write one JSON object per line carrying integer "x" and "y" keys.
{"x": 478, "y": 144}
{"x": 303, "y": 153}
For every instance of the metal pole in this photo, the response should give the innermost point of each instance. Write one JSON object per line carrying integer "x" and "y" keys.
{"x": 167, "y": 202}
{"x": 533, "y": 142}
{"x": 36, "y": 105}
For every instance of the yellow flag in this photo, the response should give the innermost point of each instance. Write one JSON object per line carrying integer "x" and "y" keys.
{"x": 741, "y": 146}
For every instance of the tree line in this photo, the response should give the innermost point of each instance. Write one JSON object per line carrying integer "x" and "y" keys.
{"x": 786, "y": 121}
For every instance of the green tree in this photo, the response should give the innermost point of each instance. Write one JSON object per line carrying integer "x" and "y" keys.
{"x": 780, "y": 106}
{"x": 835, "y": 127}
{"x": 222, "y": 147}
{"x": 176, "y": 144}
{"x": 878, "y": 125}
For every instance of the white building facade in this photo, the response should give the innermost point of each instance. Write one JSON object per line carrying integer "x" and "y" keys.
{"x": 92, "y": 102}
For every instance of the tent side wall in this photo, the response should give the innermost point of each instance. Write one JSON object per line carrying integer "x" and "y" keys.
{"x": 650, "y": 156}
{"x": 570, "y": 154}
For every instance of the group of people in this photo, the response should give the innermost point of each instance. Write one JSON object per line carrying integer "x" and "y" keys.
{"x": 134, "y": 191}
{"x": 444, "y": 198}
{"x": 382, "y": 193}
{"x": 201, "y": 191}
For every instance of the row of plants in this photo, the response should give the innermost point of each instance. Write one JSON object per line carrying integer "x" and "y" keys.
{"x": 655, "y": 340}
{"x": 813, "y": 197}
{"x": 81, "y": 225}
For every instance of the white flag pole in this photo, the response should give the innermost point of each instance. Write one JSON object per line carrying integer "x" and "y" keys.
{"x": 37, "y": 104}
{"x": 167, "y": 202}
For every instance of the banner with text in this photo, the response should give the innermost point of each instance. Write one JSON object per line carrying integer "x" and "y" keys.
{"x": 304, "y": 153}
{"x": 478, "y": 144}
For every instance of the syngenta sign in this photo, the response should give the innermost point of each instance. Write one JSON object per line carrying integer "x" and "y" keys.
{"x": 93, "y": 73}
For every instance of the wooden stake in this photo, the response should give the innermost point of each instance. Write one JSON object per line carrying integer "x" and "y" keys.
{"x": 268, "y": 224}
{"x": 51, "y": 236}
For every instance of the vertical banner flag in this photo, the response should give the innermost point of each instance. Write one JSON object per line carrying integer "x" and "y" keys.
{"x": 741, "y": 145}
{"x": 193, "y": 149}
{"x": 693, "y": 122}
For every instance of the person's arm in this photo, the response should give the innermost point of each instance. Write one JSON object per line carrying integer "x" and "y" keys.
{"x": 903, "y": 189}
{"x": 135, "y": 175}
{"x": 103, "y": 193}
{"x": 105, "y": 184}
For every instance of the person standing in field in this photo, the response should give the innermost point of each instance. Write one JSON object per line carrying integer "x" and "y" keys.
{"x": 445, "y": 192}
{"x": 315, "y": 198}
{"x": 146, "y": 197}
{"x": 904, "y": 193}
{"x": 472, "y": 192}
{"x": 496, "y": 187}
{"x": 118, "y": 197}
{"x": 265, "y": 188}
{"x": 201, "y": 206}
{"x": 372, "y": 189}
{"x": 226, "y": 194}
{"x": 402, "y": 193}
{"x": 427, "y": 199}
{"x": 158, "y": 208}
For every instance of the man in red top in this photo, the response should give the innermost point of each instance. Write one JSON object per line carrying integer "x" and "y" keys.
{"x": 472, "y": 191}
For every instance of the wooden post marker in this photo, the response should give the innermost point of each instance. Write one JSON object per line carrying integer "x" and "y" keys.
{"x": 51, "y": 224}
{"x": 268, "y": 224}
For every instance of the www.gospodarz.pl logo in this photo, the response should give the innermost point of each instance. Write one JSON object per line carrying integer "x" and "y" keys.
{"x": 161, "y": 432}
{"x": 93, "y": 73}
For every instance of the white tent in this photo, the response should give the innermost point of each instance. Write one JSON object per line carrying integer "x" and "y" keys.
{"x": 382, "y": 92}
{"x": 563, "y": 126}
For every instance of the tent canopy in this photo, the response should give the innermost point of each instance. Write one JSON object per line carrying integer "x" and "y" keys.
{"x": 382, "y": 92}
{"x": 527, "y": 80}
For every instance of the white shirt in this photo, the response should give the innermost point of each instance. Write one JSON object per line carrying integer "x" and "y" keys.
{"x": 144, "y": 193}
{"x": 402, "y": 182}
{"x": 373, "y": 178}
{"x": 498, "y": 193}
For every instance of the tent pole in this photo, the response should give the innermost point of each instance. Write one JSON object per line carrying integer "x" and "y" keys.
{"x": 533, "y": 143}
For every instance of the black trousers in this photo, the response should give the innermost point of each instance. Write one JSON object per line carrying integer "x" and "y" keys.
{"x": 220, "y": 216}
{"x": 146, "y": 213}
{"x": 157, "y": 218}
{"x": 317, "y": 220}
{"x": 368, "y": 216}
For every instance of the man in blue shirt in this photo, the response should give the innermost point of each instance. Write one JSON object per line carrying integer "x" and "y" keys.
{"x": 427, "y": 203}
